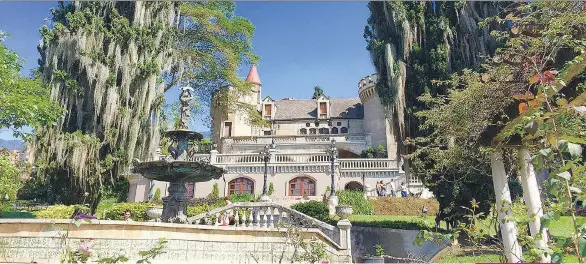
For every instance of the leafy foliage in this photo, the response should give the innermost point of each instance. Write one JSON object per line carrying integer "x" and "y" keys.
{"x": 315, "y": 209}
{"x": 360, "y": 205}
{"x": 271, "y": 189}
{"x": 61, "y": 211}
{"x": 371, "y": 152}
{"x": 529, "y": 93}
{"x": 215, "y": 191}
{"x": 10, "y": 181}
{"x": 23, "y": 101}
{"x": 242, "y": 197}
{"x": 137, "y": 211}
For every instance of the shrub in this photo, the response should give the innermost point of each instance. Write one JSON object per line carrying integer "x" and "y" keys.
{"x": 137, "y": 211}
{"x": 157, "y": 195}
{"x": 315, "y": 209}
{"x": 242, "y": 197}
{"x": 403, "y": 206}
{"x": 61, "y": 211}
{"x": 271, "y": 189}
{"x": 360, "y": 205}
{"x": 215, "y": 191}
{"x": 202, "y": 205}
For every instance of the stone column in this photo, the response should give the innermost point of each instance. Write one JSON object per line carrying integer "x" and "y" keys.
{"x": 213, "y": 156}
{"x": 345, "y": 239}
{"x": 532, "y": 199}
{"x": 503, "y": 200}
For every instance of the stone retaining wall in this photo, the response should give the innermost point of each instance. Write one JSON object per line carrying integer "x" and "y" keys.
{"x": 27, "y": 240}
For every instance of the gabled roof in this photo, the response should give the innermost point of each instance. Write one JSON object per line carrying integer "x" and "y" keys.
{"x": 350, "y": 108}
{"x": 268, "y": 99}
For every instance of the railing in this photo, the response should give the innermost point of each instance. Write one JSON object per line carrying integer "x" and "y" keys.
{"x": 262, "y": 215}
{"x": 200, "y": 158}
{"x": 238, "y": 158}
{"x": 353, "y": 138}
{"x": 302, "y": 158}
{"x": 366, "y": 164}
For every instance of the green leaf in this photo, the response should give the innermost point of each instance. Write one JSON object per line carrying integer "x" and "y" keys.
{"x": 575, "y": 150}
{"x": 557, "y": 257}
{"x": 87, "y": 220}
{"x": 575, "y": 190}
{"x": 546, "y": 152}
{"x": 582, "y": 246}
{"x": 566, "y": 175}
{"x": 77, "y": 222}
{"x": 575, "y": 140}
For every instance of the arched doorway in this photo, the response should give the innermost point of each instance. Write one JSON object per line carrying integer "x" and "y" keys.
{"x": 302, "y": 186}
{"x": 353, "y": 186}
{"x": 241, "y": 185}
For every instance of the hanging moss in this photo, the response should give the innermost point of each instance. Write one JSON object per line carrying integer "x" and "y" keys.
{"x": 104, "y": 70}
{"x": 412, "y": 44}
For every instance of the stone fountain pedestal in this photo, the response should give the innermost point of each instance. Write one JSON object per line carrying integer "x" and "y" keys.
{"x": 175, "y": 205}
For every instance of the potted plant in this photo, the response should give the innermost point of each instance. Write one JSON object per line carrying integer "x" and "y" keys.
{"x": 378, "y": 257}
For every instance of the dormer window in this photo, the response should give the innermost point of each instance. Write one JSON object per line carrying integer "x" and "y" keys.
{"x": 323, "y": 110}
{"x": 268, "y": 111}
{"x": 323, "y": 107}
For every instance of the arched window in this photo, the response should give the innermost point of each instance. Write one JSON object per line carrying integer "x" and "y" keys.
{"x": 241, "y": 185}
{"x": 334, "y": 130}
{"x": 302, "y": 186}
{"x": 344, "y": 130}
{"x": 355, "y": 186}
{"x": 312, "y": 131}
{"x": 324, "y": 130}
{"x": 303, "y": 131}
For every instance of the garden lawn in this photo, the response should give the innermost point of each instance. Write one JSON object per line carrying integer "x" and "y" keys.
{"x": 392, "y": 221}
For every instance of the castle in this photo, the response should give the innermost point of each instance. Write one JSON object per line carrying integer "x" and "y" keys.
{"x": 297, "y": 141}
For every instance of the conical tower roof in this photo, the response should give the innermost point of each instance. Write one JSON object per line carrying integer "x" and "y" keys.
{"x": 253, "y": 75}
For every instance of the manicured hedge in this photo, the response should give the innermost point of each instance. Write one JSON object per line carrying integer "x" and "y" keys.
{"x": 60, "y": 211}
{"x": 202, "y": 207}
{"x": 137, "y": 211}
{"x": 403, "y": 206}
{"x": 315, "y": 209}
{"x": 360, "y": 206}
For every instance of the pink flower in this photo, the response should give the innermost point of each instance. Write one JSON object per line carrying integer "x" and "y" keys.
{"x": 85, "y": 247}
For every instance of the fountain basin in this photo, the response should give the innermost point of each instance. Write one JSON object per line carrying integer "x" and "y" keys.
{"x": 180, "y": 134}
{"x": 178, "y": 171}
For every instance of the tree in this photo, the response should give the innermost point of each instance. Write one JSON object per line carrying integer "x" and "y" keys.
{"x": 9, "y": 178}
{"x": 530, "y": 93}
{"x": 23, "y": 101}
{"x": 109, "y": 67}
{"x": 317, "y": 92}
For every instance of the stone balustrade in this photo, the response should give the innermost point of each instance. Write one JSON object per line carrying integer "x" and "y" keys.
{"x": 367, "y": 164}
{"x": 299, "y": 139}
{"x": 262, "y": 215}
{"x": 301, "y": 162}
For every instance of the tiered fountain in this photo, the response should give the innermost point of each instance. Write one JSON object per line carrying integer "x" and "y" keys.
{"x": 178, "y": 171}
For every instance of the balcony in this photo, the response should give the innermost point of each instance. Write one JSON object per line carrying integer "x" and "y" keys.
{"x": 298, "y": 139}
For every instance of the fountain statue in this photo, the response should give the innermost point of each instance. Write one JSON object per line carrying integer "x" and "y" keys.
{"x": 178, "y": 170}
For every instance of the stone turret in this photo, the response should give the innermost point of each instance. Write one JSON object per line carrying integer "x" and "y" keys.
{"x": 375, "y": 122}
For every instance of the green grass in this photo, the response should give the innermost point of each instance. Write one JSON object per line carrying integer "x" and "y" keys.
{"x": 390, "y": 221}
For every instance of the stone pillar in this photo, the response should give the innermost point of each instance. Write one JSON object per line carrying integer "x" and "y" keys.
{"x": 503, "y": 200}
{"x": 532, "y": 198}
{"x": 213, "y": 156}
{"x": 345, "y": 238}
{"x": 332, "y": 203}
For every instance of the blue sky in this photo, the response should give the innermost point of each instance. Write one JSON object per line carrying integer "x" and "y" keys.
{"x": 301, "y": 44}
